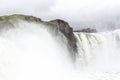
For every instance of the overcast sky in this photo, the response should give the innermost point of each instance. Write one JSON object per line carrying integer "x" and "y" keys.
{"x": 73, "y": 11}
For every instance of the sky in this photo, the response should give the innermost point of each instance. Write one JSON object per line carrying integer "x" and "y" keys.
{"x": 72, "y": 11}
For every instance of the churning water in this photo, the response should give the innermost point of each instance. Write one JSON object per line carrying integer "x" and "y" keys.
{"x": 99, "y": 53}
{"x": 31, "y": 52}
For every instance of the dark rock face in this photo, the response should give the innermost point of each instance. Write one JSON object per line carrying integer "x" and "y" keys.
{"x": 68, "y": 32}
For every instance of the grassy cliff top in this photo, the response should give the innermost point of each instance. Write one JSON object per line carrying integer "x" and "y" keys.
{"x": 19, "y": 16}
{"x": 15, "y": 17}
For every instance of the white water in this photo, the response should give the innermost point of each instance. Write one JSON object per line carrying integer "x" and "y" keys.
{"x": 99, "y": 54}
{"x": 100, "y": 48}
{"x": 30, "y": 52}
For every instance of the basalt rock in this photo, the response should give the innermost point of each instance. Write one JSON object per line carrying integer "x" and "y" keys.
{"x": 65, "y": 28}
{"x": 87, "y": 30}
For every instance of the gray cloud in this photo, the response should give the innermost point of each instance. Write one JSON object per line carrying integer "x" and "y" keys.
{"x": 73, "y": 11}
{"x": 32, "y": 7}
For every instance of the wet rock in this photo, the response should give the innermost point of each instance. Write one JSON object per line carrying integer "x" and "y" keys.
{"x": 87, "y": 30}
{"x": 65, "y": 28}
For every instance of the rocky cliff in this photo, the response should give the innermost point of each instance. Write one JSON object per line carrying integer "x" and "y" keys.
{"x": 56, "y": 26}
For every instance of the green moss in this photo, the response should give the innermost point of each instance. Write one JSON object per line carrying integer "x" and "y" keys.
{"x": 15, "y": 17}
{"x": 11, "y": 19}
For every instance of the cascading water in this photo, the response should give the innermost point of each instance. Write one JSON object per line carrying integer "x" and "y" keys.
{"x": 100, "y": 49}
{"x": 99, "y": 54}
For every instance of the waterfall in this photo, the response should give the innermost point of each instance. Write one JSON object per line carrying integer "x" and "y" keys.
{"x": 32, "y": 49}
{"x": 99, "y": 50}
